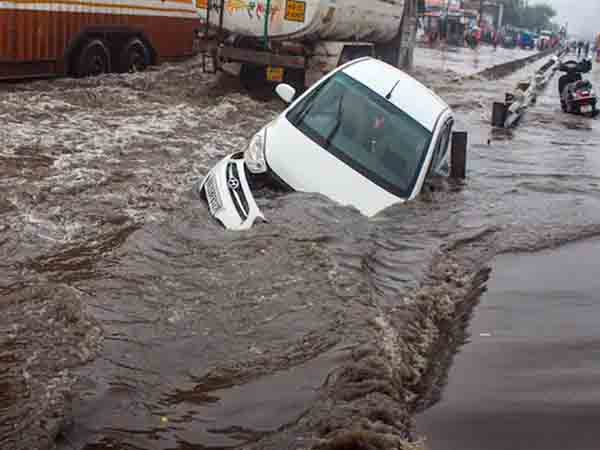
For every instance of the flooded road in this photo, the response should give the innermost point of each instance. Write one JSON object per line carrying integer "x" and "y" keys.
{"x": 135, "y": 316}
{"x": 466, "y": 61}
{"x": 526, "y": 380}
{"x": 529, "y": 378}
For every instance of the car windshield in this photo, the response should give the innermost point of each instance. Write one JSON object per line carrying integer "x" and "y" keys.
{"x": 366, "y": 131}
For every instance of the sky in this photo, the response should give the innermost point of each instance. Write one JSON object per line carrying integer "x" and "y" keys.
{"x": 583, "y": 15}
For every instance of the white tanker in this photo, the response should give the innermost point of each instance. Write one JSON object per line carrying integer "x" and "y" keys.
{"x": 300, "y": 40}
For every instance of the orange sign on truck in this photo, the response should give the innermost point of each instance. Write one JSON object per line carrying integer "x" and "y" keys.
{"x": 89, "y": 37}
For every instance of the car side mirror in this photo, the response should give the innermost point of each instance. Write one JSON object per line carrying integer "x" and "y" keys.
{"x": 285, "y": 92}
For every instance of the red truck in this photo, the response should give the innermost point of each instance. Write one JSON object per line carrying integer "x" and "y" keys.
{"x": 42, "y": 38}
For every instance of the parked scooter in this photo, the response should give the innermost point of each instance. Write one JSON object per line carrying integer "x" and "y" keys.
{"x": 577, "y": 95}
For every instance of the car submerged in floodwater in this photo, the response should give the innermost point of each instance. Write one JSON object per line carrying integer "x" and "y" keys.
{"x": 366, "y": 135}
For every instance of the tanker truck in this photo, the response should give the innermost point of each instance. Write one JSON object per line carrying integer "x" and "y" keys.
{"x": 299, "y": 41}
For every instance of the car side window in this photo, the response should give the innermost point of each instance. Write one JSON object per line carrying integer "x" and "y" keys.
{"x": 439, "y": 162}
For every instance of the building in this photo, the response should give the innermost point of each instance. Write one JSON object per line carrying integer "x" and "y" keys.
{"x": 445, "y": 19}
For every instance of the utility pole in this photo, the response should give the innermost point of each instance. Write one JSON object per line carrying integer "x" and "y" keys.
{"x": 399, "y": 52}
{"x": 408, "y": 34}
{"x": 500, "y": 16}
{"x": 480, "y": 14}
{"x": 446, "y": 20}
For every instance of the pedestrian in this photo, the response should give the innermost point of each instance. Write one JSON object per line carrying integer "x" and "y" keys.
{"x": 586, "y": 49}
{"x": 579, "y": 48}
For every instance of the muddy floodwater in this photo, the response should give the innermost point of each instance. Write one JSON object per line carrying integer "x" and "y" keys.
{"x": 132, "y": 320}
{"x": 466, "y": 61}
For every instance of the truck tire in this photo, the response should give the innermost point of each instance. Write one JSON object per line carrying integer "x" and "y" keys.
{"x": 253, "y": 77}
{"x": 134, "y": 56}
{"x": 93, "y": 59}
{"x": 297, "y": 79}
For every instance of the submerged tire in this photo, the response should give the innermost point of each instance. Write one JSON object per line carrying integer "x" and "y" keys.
{"x": 134, "y": 56}
{"x": 93, "y": 59}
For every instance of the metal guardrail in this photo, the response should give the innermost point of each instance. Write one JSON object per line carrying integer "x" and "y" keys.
{"x": 501, "y": 70}
{"x": 508, "y": 113}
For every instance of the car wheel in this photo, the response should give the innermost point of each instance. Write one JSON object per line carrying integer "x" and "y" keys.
{"x": 570, "y": 108}
{"x": 563, "y": 106}
{"x": 93, "y": 60}
{"x": 134, "y": 56}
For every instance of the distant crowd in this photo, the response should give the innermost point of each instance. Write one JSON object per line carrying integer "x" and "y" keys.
{"x": 475, "y": 37}
{"x": 582, "y": 48}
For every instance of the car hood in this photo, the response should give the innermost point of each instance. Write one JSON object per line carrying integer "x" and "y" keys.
{"x": 307, "y": 167}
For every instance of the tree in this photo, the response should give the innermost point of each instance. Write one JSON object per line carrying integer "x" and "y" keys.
{"x": 519, "y": 13}
{"x": 512, "y": 12}
{"x": 538, "y": 17}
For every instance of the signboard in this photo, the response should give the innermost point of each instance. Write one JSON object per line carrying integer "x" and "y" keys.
{"x": 275, "y": 74}
{"x": 295, "y": 11}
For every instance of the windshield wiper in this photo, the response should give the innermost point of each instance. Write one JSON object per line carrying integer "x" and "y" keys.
{"x": 338, "y": 121}
{"x": 308, "y": 105}
{"x": 304, "y": 112}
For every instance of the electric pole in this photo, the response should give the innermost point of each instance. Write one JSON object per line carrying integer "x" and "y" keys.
{"x": 399, "y": 52}
{"x": 480, "y": 14}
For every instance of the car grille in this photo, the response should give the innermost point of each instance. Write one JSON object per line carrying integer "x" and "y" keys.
{"x": 212, "y": 195}
{"x": 234, "y": 185}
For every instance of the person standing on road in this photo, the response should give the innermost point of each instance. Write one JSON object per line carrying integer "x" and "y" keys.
{"x": 586, "y": 51}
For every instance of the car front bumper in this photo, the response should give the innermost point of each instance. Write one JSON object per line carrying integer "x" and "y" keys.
{"x": 228, "y": 195}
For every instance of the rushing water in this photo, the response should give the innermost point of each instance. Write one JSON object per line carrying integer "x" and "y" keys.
{"x": 285, "y": 336}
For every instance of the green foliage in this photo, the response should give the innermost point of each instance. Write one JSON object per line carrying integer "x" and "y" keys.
{"x": 532, "y": 17}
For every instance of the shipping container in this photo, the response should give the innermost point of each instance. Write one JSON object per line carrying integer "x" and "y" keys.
{"x": 40, "y": 38}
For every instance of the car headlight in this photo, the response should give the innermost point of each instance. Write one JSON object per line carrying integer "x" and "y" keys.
{"x": 254, "y": 156}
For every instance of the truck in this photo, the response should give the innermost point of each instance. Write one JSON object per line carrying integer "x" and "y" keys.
{"x": 89, "y": 37}
{"x": 299, "y": 41}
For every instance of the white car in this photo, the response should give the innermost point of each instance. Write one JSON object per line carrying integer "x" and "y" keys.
{"x": 366, "y": 135}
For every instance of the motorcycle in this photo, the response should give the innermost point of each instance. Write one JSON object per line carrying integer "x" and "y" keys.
{"x": 577, "y": 95}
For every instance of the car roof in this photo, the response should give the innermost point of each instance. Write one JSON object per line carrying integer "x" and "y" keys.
{"x": 409, "y": 95}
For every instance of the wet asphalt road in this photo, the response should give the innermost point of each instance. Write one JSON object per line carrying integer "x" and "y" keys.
{"x": 530, "y": 378}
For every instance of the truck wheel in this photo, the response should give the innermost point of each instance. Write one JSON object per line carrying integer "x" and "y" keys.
{"x": 253, "y": 77}
{"x": 93, "y": 60}
{"x": 134, "y": 56}
{"x": 297, "y": 79}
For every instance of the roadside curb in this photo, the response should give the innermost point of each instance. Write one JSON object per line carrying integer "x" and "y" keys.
{"x": 508, "y": 113}
{"x": 505, "y": 69}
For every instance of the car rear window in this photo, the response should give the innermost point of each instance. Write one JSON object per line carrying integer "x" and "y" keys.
{"x": 366, "y": 131}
